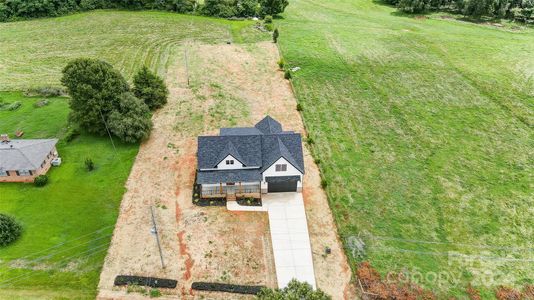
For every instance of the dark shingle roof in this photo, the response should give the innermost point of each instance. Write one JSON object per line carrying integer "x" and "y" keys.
{"x": 288, "y": 146}
{"x": 213, "y": 149}
{"x": 240, "y": 131}
{"x": 230, "y": 149}
{"x": 259, "y": 150}
{"x": 269, "y": 126}
{"x": 247, "y": 175}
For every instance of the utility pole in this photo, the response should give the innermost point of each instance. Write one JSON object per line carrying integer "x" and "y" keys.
{"x": 154, "y": 230}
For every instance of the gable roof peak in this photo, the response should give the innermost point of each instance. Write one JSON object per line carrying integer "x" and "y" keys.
{"x": 268, "y": 125}
{"x": 231, "y": 150}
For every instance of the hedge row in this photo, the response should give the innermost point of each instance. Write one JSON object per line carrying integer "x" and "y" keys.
{"x": 145, "y": 281}
{"x": 229, "y": 288}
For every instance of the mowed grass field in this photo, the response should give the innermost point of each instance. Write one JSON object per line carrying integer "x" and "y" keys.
{"x": 423, "y": 128}
{"x": 33, "y": 53}
{"x": 68, "y": 223}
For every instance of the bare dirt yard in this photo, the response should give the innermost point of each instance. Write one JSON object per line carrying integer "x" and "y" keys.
{"x": 229, "y": 85}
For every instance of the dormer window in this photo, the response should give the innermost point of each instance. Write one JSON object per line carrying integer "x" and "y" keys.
{"x": 281, "y": 168}
{"x": 229, "y": 162}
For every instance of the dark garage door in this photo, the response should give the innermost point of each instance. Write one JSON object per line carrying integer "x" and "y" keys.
{"x": 282, "y": 186}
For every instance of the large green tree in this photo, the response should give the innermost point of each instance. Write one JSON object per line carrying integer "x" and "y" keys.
{"x": 101, "y": 100}
{"x": 131, "y": 120}
{"x": 94, "y": 88}
{"x": 273, "y": 7}
{"x": 293, "y": 291}
{"x": 150, "y": 88}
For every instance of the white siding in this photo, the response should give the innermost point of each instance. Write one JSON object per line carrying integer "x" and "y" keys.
{"x": 291, "y": 170}
{"x": 223, "y": 166}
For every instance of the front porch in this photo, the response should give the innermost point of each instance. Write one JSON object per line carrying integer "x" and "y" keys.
{"x": 231, "y": 191}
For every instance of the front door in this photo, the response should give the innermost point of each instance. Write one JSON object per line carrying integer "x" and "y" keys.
{"x": 230, "y": 188}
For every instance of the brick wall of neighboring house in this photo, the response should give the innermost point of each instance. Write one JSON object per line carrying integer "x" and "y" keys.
{"x": 13, "y": 177}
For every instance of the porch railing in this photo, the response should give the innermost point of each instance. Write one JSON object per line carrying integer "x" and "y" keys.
{"x": 233, "y": 190}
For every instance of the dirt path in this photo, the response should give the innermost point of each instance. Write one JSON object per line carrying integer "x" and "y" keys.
{"x": 229, "y": 85}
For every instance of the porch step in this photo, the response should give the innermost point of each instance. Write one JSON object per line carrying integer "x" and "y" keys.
{"x": 230, "y": 197}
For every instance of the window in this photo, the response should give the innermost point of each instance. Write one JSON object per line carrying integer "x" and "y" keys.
{"x": 3, "y": 173}
{"x": 230, "y": 162}
{"x": 25, "y": 173}
{"x": 281, "y": 168}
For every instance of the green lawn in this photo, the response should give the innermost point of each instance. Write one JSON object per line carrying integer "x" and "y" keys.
{"x": 33, "y": 53}
{"x": 68, "y": 223}
{"x": 424, "y": 132}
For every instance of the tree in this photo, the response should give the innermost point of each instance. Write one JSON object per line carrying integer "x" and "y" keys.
{"x": 247, "y": 8}
{"x": 94, "y": 88}
{"x": 131, "y": 121}
{"x": 150, "y": 88}
{"x": 273, "y": 7}
{"x": 413, "y": 6}
{"x": 220, "y": 8}
{"x": 181, "y": 6}
{"x": 10, "y": 230}
{"x": 294, "y": 291}
{"x": 101, "y": 97}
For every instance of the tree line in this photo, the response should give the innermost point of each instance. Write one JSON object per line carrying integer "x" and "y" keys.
{"x": 517, "y": 10}
{"x": 12, "y": 10}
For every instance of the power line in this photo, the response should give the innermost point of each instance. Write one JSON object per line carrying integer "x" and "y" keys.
{"x": 63, "y": 250}
{"x": 107, "y": 129}
{"x": 61, "y": 244}
{"x": 101, "y": 248}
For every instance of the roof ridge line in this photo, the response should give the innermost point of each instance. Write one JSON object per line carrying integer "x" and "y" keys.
{"x": 22, "y": 152}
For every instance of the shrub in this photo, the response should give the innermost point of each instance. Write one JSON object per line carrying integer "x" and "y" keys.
{"x": 317, "y": 161}
{"x": 287, "y": 74}
{"x": 294, "y": 290}
{"x": 281, "y": 63}
{"x": 154, "y": 293}
{"x": 276, "y": 34}
{"x": 10, "y": 106}
{"x": 40, "y": 180}
{"x": 89, "y": 164}
{"x": 299, "y": 107}
{"x": 310, "y": 140}
{"x": 268, "y": 27}
{"x": 121, "y": 280}
{"x": 150, "y": 88}
{"x": 229, "y": 288}
{"x": 268, "y": 19}
{"x": 10, "y": 230}
{"x": 324, "y": 183}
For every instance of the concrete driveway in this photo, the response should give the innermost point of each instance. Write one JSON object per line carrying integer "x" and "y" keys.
{"x": 289, "y": 235}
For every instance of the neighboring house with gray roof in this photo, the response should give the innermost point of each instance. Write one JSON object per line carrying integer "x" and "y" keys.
{"x": 23, "y": 160}
{"x": 248, "y": 161}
